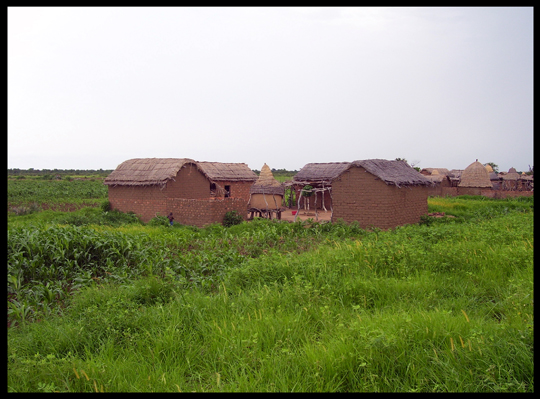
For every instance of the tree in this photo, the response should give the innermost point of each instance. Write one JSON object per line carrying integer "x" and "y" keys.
{"x": 494, "y": 166}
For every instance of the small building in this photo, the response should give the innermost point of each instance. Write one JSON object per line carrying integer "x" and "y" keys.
{"x": 431, "y": 171}
{"x": 474, "y": 180}
{"x": 375, "y": 192}
{"x": 266, "y": 194}
{"x": 234, "y": 178}
{"x": 197, "y": 193}
{"x": 442, "y": 184}
{"x": 454, "y": 177}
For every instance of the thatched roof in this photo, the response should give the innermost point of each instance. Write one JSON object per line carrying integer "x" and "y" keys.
{"x": 219, "y": 171}
{"x": 146, "y": 171}
{"x": 475, "y": 175}
{"x": 267, "y": 184}
{"x": 488, "y": 168}
{"x": 398, "y": 173}
{"x": 431, "y": 171}
{"x": 157, "y": 171}
{"x": 320, "y": 172}
{"x": 511, "y": 175}
{"x": 435, "y": 177}
{"x": 494, "y": 176}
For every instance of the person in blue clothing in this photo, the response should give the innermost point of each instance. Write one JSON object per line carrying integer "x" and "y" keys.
{"x": 171, "y": 218}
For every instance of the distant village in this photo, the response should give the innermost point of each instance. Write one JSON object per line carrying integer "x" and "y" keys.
{"x": 373, "y": 193}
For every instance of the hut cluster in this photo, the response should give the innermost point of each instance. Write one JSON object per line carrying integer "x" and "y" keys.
{"x": 479, "y": 179}
{"x": 374, "y": 193}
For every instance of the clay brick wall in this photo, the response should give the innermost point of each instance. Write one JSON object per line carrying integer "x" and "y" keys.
{"x": 189, "y": 183}
{"x": 149, "y": 201}
{"x": 200, "y": 213}
{"x": 145, "y": 201}
{"x": 472, "y": 190}
{"x": 506, "y": 194}
{"x": 239, "y": 189}
{"x": 360, "y": 196}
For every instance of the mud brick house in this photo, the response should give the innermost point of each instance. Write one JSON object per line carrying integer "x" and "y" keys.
{"x": 198, "y": 193}
{"x": 234, "y": 178}
{"x": 374, "y": 192}
{"x": 441, "y": 179}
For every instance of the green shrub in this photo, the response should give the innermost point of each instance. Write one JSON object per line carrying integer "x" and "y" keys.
{"x": 158, "y": 221}
{"x": 106, "y": 206}
{"x": 232, "y": 218}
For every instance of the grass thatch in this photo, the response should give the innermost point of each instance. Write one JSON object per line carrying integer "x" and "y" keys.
{"x": 320, "y": 172}
{"x": 398, "y": 173}
{"x": 475, "y": 175}
{"x": 146, "y": 171}
{"x": 267, "y": 184}
{"x": 431, "y": 171}
{"x": 219, "y": 171}
{"x": 157, "y": 171}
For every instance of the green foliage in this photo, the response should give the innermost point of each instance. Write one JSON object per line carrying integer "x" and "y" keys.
{"x": 106, "y": 206}
{"x": 494, "y": 166}
{"x": 307, "y": 192}
{"x": 25, "y": 210}
{"x": 445, "y": 306}
{"x": 158, "y": 221}
{"x": 54, "y": 191}
{"x": 232, "y": 218}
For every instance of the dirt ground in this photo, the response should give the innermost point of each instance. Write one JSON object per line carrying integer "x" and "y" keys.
{"x": 305, "y": 214}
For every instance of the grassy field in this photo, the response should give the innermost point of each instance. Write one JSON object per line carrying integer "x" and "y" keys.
{"x": 100, "y": 302}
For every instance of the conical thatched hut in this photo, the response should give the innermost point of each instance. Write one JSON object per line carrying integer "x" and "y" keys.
{"x": 474, "y": 179}
{"x": 510, "y": 180}
{"x": 266, "y": 193}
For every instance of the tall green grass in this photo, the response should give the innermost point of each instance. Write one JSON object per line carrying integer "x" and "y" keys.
{"x": 445, "y": 306}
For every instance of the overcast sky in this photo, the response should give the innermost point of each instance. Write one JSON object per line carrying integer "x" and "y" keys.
{"x": 89, "y": 88}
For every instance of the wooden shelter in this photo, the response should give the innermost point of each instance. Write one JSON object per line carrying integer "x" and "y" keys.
{"x": 374, "y": 192}
{"x": 198, "y": 193}
{"x": 266, "y": 195}
{"x": 474, "y": 179}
